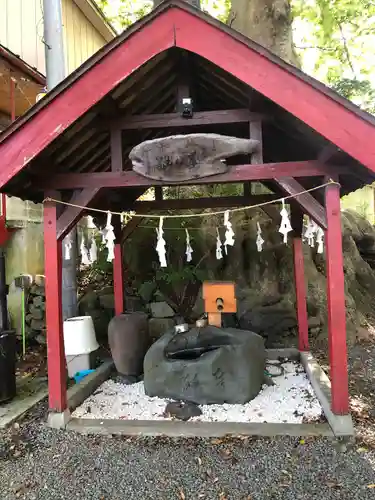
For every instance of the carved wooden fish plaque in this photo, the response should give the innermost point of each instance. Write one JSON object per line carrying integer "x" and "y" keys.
{"x": 186, "y": 157}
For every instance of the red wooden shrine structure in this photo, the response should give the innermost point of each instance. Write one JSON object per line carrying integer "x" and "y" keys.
{"x": 73, "y": 145}
{"x": 15, "y": 73}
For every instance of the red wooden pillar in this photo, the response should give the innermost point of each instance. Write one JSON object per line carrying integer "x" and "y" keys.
{"x": 300, "y": 286}
{"x": 336, "y": 302}
{"x": 118, "y": 280}
{"x": 55, "y": 338}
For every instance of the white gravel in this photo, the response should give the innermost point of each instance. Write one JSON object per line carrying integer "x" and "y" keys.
{"x": 290, "y": 401}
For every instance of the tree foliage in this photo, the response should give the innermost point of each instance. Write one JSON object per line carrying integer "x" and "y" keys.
{"x": 334, "y": 38}
{"x": 123, "y": 13}
{"x": 336, "y": 41}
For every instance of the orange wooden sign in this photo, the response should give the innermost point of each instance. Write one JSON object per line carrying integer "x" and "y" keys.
{"x": 219, "y": 297}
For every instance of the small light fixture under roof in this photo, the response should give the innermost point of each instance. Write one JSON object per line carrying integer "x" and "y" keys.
{"x": 186, "y": 107}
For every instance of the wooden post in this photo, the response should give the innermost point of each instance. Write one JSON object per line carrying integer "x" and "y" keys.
{"x": 299, "y": 279}
{"x": 214, "y": 319}
{"x": 118, "y": 280}
{"x": 336, "y": 302}
{"x": 256, "y": 133}
{"x": 158, "y": 193}
{"x": 12, "y": 91}
{"x": 116, "y": 151}
{"x": 55, "y": 338}
{"x": 300, "y": 286}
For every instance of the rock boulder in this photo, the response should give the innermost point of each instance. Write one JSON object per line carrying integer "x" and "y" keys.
{"x": 161, "y": 310}
{"x": 206, "y": 366}
{"x": 159, "y": 326}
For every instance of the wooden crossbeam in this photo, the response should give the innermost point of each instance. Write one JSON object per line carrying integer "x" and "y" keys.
{"x": 327, "y": 153}
{"x": 71, "y": 214}
{"x": 236, "y": 174}
{"x": 200, "y": 203}
{"x": 272, "y": 213}
{"x": 166, "y": 120}
{"x": 308, "y": 203}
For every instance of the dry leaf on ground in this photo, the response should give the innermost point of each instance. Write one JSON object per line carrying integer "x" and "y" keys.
{"x": 226, "y": 454}
{"x": 181, "y": 494}
{"x": 333, "y": 484}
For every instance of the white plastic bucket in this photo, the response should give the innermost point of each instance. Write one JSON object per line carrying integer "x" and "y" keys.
{"x": 79, "y": 336}
{"x": 78, "y": 363}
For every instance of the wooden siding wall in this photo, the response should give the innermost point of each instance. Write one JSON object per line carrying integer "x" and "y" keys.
{"x": 21, "y": 31}
{"x": 81, "y": 39}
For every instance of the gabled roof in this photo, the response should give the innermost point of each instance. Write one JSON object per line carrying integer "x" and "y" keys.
{"x": 16, "y": 62}
{"x": 234, "y": 66}
{"x": 97, "y": 18}
{"x": 28, "y": 83}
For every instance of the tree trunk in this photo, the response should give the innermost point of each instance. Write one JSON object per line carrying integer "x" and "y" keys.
{"x": 267, "y": 22}
{"x": 266, "y": 299}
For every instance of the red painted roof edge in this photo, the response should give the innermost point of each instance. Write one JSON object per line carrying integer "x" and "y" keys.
{"x": 167, "y": 4}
